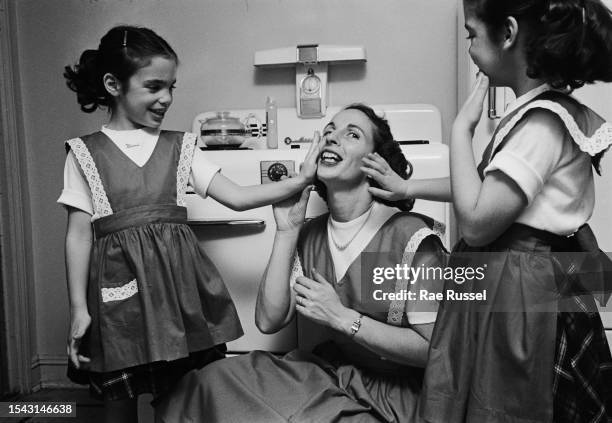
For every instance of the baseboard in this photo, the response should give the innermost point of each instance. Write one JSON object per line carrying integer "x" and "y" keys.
{"x": 49, "y": 371}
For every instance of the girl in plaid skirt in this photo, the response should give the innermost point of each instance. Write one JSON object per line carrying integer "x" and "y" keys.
{"x": 535, "y": 350}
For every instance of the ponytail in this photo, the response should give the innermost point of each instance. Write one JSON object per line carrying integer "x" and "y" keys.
{"x": 572, "y": 44}
{"x": 122, "y": 51}
{"x": 85, "y": 79}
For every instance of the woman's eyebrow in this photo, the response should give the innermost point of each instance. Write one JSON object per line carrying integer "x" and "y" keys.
{"x": 329, "y": 125}
{"x": 353, "y": 126}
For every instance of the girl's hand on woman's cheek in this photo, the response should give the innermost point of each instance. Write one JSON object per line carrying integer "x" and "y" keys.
{"x": 308, "y": 170}
{"x": 392, "y": 186}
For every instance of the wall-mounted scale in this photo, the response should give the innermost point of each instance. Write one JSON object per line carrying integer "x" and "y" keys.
{"x": 311, "y": 62}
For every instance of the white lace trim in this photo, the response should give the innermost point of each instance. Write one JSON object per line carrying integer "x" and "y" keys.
{"x": 100, "y": 201}
{"x": 184, "y": 168}
{"x": 601, "y": 139}
{"x": 397, "y": 307}
{"x": 296, "y": 269}
{"x": 120, "y": 293}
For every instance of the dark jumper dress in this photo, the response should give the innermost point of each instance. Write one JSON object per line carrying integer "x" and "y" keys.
{"x": 502, "y": 361}
{"x": 340, "y": 381}
{"x": 158, "y": 304}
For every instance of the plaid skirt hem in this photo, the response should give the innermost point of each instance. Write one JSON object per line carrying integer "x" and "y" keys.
{"x": 155, "y": 378}
{"x": 583, "y": 367}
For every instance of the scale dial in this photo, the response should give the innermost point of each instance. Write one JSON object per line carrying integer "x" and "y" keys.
{"x": 311, "y": 84}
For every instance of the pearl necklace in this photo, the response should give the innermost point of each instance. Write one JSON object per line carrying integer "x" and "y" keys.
{"x": 342, "y": 247}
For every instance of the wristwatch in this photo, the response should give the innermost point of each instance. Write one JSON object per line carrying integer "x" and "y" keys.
{"x": 356, "y": 325}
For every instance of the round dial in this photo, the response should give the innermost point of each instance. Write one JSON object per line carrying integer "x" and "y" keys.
{"x": 311, "y": 84}
{"x": 276, "y": 171}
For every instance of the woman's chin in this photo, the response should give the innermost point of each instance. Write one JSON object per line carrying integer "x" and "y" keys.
{"x": 327, "y": 172}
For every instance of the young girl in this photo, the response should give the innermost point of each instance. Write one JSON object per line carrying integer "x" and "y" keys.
{"x": 528, "y": 200}
{"x": 146, "y": 303}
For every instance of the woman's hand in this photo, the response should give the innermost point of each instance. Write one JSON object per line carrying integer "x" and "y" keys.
{"x": 80, "y": 320}
{"x": 469, "y": 115}
{"x": 393, "y": 186}
{"x": 290, "y": 213}
{"x": 318, "y": 301}
{"x": 308, "y": 169}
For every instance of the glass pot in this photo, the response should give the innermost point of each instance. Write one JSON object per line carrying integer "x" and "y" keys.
{"x": 223, "y": 129}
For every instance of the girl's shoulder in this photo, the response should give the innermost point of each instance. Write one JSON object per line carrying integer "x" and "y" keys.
{"x": 589, "y": 131}
{"x": 84, "y": 140}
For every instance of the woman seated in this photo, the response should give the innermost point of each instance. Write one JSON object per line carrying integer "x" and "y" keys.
{"x": 371, "y": 367}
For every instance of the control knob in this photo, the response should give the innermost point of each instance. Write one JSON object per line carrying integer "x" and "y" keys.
{"x": 276, "y": 171}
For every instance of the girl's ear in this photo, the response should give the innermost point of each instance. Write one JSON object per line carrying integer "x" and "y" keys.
{"x": 111, "y": 84}
{"x": 510, "y": 32}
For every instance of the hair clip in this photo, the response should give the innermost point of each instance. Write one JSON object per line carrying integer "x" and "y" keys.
{"x": 125, "y": 38}
{"x": 583, "y": 15}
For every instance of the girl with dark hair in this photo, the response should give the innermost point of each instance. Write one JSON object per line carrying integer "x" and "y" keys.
{"x": 522, "y": 356}
{"x": 147, "y": 305}
{"x": 370, "y": 368}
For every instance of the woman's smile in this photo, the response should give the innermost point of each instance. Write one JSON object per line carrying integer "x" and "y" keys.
{"x": 329, "y": 158}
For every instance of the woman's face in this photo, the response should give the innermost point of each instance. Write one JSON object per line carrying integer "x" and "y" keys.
{"x": 348, "y": 137}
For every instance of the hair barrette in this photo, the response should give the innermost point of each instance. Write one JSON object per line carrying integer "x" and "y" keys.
{"x": 125, "y": 38}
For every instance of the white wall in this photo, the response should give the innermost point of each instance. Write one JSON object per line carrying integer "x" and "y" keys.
{"x": 410, "y": 45}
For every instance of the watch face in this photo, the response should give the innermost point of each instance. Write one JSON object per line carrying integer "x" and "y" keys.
{"x": 311, "y": 84}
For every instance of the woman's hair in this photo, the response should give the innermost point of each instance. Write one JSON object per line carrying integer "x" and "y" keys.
{"x": 387, "y": 148}
{"x": 569, "y": 42}
{"x": 122, "y": 51}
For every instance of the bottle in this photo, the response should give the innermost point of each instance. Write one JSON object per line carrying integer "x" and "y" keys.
{"x": 271, "y": 126}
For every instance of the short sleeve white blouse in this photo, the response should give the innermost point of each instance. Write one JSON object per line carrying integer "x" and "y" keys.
{"x": 550, "y": 169}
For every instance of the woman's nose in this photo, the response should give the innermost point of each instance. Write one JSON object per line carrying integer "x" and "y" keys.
{"x": 331, "y": 138}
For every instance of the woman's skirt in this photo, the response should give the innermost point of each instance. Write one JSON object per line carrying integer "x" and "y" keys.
{"x": 300, "y": 387}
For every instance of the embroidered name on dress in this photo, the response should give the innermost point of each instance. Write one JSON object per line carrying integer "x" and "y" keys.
{"x": 598, "y": 142}
{"x": 120, "y": 293}
{"x": 184, "y": 168}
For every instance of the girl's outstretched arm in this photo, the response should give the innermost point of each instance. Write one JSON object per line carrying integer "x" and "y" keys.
{"x": 239, "y": 197}
{"x": 79, "y": 237}
{"x": 484, "y": 210}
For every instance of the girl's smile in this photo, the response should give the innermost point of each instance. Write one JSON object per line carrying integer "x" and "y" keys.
{"x": 147, "y": 96}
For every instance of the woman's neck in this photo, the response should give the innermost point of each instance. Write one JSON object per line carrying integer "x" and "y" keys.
{"x": 349, "y": 204}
